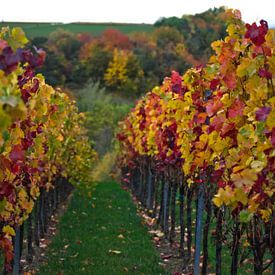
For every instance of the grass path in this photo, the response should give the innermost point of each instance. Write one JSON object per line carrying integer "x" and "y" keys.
{"x": 101, "y": 236}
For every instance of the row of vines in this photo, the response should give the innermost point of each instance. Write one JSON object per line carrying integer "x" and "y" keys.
{"x": 42, "y": 136}
{"x": 207, "y": 140}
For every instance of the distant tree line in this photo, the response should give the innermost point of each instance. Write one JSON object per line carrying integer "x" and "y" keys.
{"x": 130, "y": 64}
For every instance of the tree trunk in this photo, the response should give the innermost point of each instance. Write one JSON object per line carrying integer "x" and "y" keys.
{"x": 205, "y": 236}
{"x": 199, "y": 221}
{"x": 219, "y": 242}
{"x": 45, "y": 211}
{"x": 235, "y": 247}
{"x": 258, "y": 246}
{"x": 41, "y": 214}
{"x": 17, "y": 252}
{"x": 173, "y": 210}
{"x": 156, "y": 194}
{"x": 36, "y": 223}
{"x": 160, "y": 216}
{"x": 182, "y": 227}
{"x": 166, "y": 206}
{"x": 149, "y": 200}
{"x": 189, "y": 222}
{"x": 144, "y": 183}
{"x": 30, "y": 239}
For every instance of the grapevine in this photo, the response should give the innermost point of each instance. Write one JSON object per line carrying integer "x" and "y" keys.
{"x": 42, "y": 135}
{"x": 215, "y": 123}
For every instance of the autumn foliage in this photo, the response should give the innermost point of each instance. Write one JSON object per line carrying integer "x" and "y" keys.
{"x": 216, "y": 122}
{"x": 41, "y": 136}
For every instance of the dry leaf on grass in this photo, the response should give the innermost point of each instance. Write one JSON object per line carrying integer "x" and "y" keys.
{"x": 114, "y": 251}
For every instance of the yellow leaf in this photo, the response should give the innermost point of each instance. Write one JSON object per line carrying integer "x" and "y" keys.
{"x": 60, "y": 138}
{"x": 224, "y": 196}
{"x": 252, "y": 205}
{"x": 22, "y": 194}
{"x": 226, "y": 100}
{"x": 238, "y": 168}
{"x": 35, "y": 191}
{"x": 8, "y": 230}
{"x": 240, "y": 196}
{"x": 246, "y": 68}
{"x": 257, "y": 165}
{"x": 265, "y": 214}
{"x": 270, "y": 121}
{"x": 247, "y": 177}
{"x": 217, "y": 201}
{"x": 19, "y": 35}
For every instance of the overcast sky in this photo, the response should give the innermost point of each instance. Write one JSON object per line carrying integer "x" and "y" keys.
{"x": 132, "y": 11}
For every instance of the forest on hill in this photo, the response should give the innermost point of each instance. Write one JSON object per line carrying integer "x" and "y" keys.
{"x": 130, "y": 64}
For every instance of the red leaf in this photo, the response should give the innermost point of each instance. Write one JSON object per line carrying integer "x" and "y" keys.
{"x": 176, "y": 82}
{"x": 221, "y": 184}
{"x": 15, "y": 169}
{"x": 265, "y": 73}
{"x": 4, "y": 163}
{"x": 227, "y": 129}
{"x": 201, "y": 118}
{"x": 273, "y": 137}
{"x": 257, "y": 33}
{"x": 3, "y": 44}
{"x": 214, "y": 83}
{"x": 166, "y": 257}
{"x": 230, "y": 80}
{"x": 213, "y": 106}
{"x": 6, "y": 190}
{"x": 236, "y": 109}
{"x": 260, "y": 50}
{"x": 17, "y": 153}
{"x": 262, "y": 113}
{"x": 217, "y": 123}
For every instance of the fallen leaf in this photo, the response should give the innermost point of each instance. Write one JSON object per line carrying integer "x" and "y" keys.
{"x": 114, "y": 251}
{"x": 166, "y": 257}
{"x": 160, "y": 234}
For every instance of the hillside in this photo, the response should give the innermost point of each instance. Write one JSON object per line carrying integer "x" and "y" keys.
{"x": 34, "y": 29}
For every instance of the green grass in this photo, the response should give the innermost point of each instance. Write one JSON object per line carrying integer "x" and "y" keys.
{"x": 44, "y": 29}
{"x": 90, "y": 228}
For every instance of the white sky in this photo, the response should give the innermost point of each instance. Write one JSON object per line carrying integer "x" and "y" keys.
{"x": 134, "y": 11}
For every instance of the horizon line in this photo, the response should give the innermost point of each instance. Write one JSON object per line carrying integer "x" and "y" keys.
{"x": 89, "y": 22}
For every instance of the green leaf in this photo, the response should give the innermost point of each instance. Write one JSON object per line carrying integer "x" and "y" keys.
{"x": 6, "y": 135}
{"x": 2, "y": 204}
{"x": 5, "y": 120}
{"x": 245, "y": 216}
{"x": 10, "y": 100}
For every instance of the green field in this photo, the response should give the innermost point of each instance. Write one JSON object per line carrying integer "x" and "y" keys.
{"x": 102, "y": 235}
{"x": 44, "y": 29}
